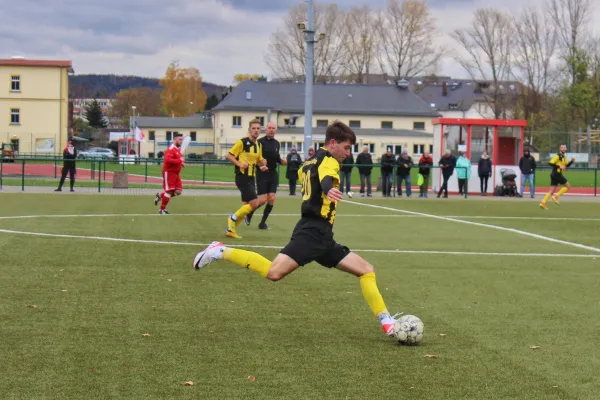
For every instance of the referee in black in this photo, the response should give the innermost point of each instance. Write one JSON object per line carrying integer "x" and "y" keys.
{"x": 267, "y": 181}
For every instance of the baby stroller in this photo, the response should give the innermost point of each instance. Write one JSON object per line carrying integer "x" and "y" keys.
{"x": 509, "y": 185}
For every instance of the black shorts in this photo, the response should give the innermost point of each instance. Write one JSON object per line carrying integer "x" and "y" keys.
{"x": 557, "y": 179}
{"x": 267, "y": 182}
{"x": 312, "y": 240}
{"x": 247, "y": 187}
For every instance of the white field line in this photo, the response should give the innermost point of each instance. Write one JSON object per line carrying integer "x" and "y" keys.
{"x": 171, "y": 243}
{"x": 341, "y": 216}
{"x": 501, "y": 228}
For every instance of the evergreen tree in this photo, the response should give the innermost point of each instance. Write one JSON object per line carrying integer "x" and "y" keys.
{"x": 211, "y": 102}
{"x": 94, "y": 115}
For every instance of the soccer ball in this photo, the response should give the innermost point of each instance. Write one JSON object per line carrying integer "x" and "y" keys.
{"x": 409, "y": 330}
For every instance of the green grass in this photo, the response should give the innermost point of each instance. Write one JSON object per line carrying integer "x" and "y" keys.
{"x": 309, "y": 336}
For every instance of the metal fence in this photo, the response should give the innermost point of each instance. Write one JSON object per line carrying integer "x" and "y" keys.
{"x": 583, "y": 145}
{"x": 147, "y": 173}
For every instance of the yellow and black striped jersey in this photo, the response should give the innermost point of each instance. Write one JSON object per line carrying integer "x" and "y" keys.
{"x": 315, "y": 203}
{"x": 557, "y": 161}
{"x": 245, "y": 150}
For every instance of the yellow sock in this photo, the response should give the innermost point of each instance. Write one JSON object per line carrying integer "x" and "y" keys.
{"x": 243, "y": 211}
{"x": 248, "y": 259}
{"x": 562, "y": 191}
{"x": 371, "y": 293}
{"x": 547, "y": 197}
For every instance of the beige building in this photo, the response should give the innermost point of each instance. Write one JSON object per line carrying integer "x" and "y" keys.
{"x": 382, "y": 116}
{"x": 159, "y": 133}
{"x": 34, "y": 104}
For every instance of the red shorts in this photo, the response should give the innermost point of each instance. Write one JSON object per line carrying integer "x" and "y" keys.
{"x": 171, "y": 181}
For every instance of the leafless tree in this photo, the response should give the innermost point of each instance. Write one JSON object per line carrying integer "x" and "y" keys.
{"x": 571, "y": 19}
{"x": 360, "y": 42}
{"x": 406, "y": 31}
{"x": 487, "y": 46}
{"x": 287, "y": 51}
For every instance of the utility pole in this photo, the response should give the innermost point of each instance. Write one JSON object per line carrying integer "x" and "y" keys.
{"x": 308, "y": 92}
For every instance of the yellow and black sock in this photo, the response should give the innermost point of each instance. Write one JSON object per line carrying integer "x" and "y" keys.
{"x": 248, "y": 259}
{"x": 371, "y": 294}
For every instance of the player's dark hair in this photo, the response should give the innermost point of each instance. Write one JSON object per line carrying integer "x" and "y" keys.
{"x": 339, "y": 132}
{"x": 177, "y": 134}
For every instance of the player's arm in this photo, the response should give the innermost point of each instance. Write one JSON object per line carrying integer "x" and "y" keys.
{"x": 234, "y": 153}
{"x": 554, "y": 161}
{"x": 329, "y": 176}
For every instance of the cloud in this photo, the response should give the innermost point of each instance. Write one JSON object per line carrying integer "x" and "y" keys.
{"x": 219, "y": 37}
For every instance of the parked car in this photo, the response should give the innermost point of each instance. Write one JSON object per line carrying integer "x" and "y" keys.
{"x": 97, "y": 152}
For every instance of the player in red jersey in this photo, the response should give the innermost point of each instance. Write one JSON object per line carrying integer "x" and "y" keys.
{"x": 171, "y": 169}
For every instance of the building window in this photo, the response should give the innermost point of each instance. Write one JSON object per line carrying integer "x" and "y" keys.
{"x": 453, "y": 106}
{"x": 262, "y": 120}
{"x": 193, "y": 136}
{"x": 419, "y": 126}
{"x": 15, "y": 116}
{"x": 15, "y": 83}
{"x": 418, "y": 149}
{"x": 354, "y": 124}
{"x": 299, "y": 146}
{"x": 387, "y": 125}
{"x": 322, "y": 123}
{"x": 237, "y": 121}
{"x": 358, "y": 148}
{"x": 430, "y": 149}
{"x": 151, "y": 135}
{"x": 169, "y": 136}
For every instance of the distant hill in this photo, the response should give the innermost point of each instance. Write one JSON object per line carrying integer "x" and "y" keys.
{"x": 107, "y": 86}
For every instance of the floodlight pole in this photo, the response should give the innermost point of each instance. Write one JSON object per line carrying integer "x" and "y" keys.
{"x": 308, "y": 92}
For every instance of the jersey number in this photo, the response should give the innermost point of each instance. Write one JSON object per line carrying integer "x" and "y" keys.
{"x": 306, "y": 188}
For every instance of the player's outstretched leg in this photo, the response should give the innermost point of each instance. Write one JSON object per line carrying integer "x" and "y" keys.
{"x": 547, "y": 197}
{"x": 245, "y": 259}
{"x": 562, "y": 191}
{"x": 236, "y": 219}
{"x": 359, "y": 267}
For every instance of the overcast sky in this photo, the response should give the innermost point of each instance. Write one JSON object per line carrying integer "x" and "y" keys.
{"x": 219, "y": 37}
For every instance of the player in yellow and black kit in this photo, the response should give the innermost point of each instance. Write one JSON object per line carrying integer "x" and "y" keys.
{"x": 312, "y": 239}
{"x": 559, "y": 163}
{"x": 246, "y": 155}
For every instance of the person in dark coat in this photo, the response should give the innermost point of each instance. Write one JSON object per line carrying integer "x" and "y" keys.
{"x": 527, "y": 165}
{"x": 365, "y": 166}
{"x": 69, "y": 156}
{"x": 447, "y": 163}
{"x": 346, "y": 174}
{"x": 388, "y": 160}
{"x": 294, "y": 161}
{"x": 484, "y": 170}
{"x": 404, "y": 163}
{"x": 425, "y": 164}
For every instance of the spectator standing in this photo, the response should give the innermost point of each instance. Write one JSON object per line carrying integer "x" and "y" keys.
{"x": 527, "y": 165}
{"x": 294, "y": 161}
{"x": 365, "y": 166}
{"x": 425, "y": 164}
{"x": 387, "y": 170}
{"x": 447, "y": 164}
{"x": 69, "y": 157}
{"x": 463, "y": 173}
{"x": 403, "y": 173}
{"x": 346, "y": 174}
{"x": 484, "y": 170}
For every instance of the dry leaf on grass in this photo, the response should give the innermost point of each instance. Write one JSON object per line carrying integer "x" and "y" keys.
{"x": 430, "y": 356}
{"x": 442, "y": 334}
{"x": 252, "y": 378}
{"x": 146, "y": 334}
{"x": 64, "y": 290}
{"x": 211, "y": 331}
{"x": 32, "y": 306}
{"x": 555, "y": 386}
{"x": 534, "y": 347}
{"x": 188, "y": 383}
{"x": 92, "y": 370}
{"x": 170, "y": 280}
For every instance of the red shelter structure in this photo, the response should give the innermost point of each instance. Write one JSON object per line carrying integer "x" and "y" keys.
{"x": 502, "y": 139}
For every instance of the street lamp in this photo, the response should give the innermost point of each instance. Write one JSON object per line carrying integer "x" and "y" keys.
{"x": 309, "y": 29}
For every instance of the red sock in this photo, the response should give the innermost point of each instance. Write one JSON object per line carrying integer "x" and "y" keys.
{"x": 165, "y": 200}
